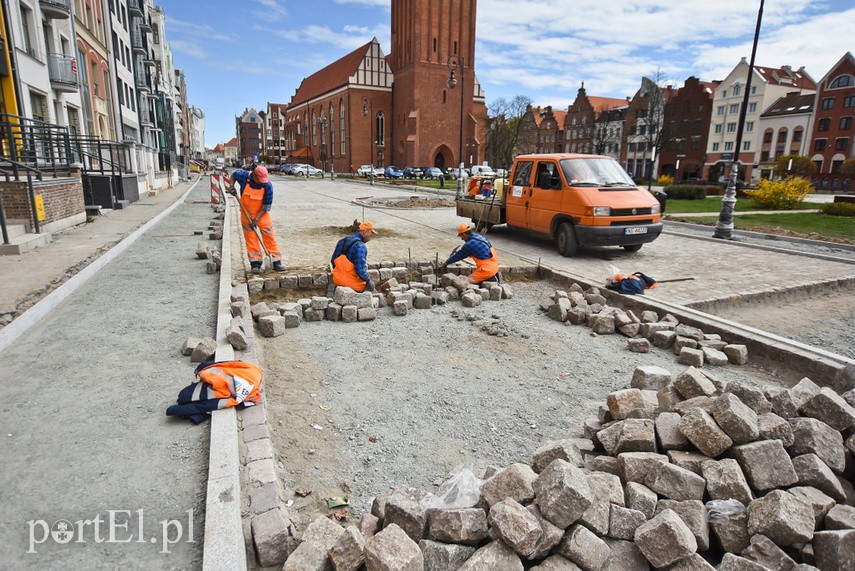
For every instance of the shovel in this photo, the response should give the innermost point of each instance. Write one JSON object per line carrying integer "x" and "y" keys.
{"x": 267, "y": 261}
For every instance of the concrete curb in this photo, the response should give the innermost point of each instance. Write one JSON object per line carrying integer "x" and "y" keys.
{"x": 224, "y": 543}
{"x": 20, "y": 325}
{"x": 831, "y": 369}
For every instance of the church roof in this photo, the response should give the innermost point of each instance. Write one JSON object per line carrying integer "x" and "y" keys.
{"x": 336, "y": 74}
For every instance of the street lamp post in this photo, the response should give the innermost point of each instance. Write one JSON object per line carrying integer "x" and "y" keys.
{"x": 368, "y": 107}
{"x": 456, "y": 63}
{"x": 724, "y": 226}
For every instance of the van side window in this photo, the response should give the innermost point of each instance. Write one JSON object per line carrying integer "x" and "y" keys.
{"x": 547, "y": 176}
{"x": 522, "y": 174}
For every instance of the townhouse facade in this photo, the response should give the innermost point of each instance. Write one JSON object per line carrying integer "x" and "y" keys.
{"x": 250, "y": 136}
{"x": 642, "y": 134}
{"x": 832, "y": 138}
{"x": 686, "y": 128}
{"x": 767, "y": 86}
{"x": 785, "y": 126}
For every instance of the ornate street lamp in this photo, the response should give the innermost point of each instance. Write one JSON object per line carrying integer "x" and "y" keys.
{"x": 724, "y": 226}
{"x": 368, "y": 107}
{"x": 456, "y": 63}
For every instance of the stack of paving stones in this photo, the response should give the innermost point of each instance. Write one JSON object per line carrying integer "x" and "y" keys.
{"x": 199, "y": 350}
{"x": 216, "y": 225}
{"x": 348, "y": 306}
{"x": 678, "y": 472}
{"x": 690, "y": 344}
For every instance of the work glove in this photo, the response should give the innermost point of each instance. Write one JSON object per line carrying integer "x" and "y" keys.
{"x": 371, "y": 287}
{"x": 232, "y": 190}
{"x": 254, "y": 224}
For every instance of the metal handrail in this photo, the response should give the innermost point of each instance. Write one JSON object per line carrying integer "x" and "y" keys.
{"x": 30, "y": 191}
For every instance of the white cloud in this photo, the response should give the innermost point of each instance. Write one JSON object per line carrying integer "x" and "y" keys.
{"x": 190, "y": 48}
{"x": 175, "y": 27}
{"x": 271, "y": 10}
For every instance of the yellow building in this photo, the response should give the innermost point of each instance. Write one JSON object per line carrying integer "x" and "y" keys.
{"x": 8, "y": 101}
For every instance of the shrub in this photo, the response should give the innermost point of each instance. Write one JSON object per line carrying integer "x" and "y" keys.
{"x": 686, "y": 192}
{"x": 783, "y": 194}
{"x": 838, "y": 208}
{"x": 665, "y": 180}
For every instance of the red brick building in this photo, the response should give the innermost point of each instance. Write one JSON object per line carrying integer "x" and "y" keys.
{"x": 250, "y": 131}
{"x": 686, "y": 128}
{"x": 582, "y": 133}
{"x": 369, "y": 108}
{"x": 834, "y": 126}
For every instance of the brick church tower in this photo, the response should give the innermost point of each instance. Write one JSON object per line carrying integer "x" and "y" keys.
{"x": 428, "y": 38}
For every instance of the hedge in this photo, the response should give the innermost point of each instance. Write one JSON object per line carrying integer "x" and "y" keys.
{"x": 838, "y": 209}
{"x": 686, "y": 192}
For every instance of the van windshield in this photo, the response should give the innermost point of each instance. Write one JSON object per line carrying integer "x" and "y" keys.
{"x": 595, "y": 172}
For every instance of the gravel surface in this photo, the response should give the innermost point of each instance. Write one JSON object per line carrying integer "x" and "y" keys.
{"x": 361, "y": 408}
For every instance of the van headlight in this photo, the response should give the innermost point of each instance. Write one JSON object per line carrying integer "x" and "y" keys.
{"x": 602, "y": 211}
{"x": 655, "y": 209}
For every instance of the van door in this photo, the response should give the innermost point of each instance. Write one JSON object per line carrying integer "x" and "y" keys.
{"x": 516, "y": 201}
{"x": 545, "y": 196}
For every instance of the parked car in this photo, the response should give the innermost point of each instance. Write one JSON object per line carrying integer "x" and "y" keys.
{"x": 501, "y": 173}
{"x": 393, "y": 172}
{"x": 431, "y": 172}
{"x": 306, "y": 170}
{"x": 412, "y": 172}
{"x": 453, "y": 172}
{"x": 482, "y": 170}
{"x": 364, "y": 170}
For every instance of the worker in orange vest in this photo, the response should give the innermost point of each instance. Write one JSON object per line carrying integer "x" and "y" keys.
{"x": 256, "y": 195}
{"x": 479, "y": 249}
{"x": 349, "y": 260}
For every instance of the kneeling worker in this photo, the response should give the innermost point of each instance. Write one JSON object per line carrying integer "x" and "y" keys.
{"x": 479, "y": 248}
{"x": 349, "y": 266}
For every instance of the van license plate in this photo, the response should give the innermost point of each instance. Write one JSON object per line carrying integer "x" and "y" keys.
{"x": 635, "y": 230}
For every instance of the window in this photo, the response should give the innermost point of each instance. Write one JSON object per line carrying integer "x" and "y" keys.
{"x": 819, "y": 145}
{"x": 823, "y": 124}
{"x": 752, "y": 107}
{"x": 332, "y": 130}
{"x": 749, "y": 127}
{"x": 746, "y": 146}
{"x": 753, "y": 89}
{"x": 841, "y": 144}
{"x": 314, "y": 128}
{"x": 767, "y": 137}
{"x": 731, "y": 127}
{"x": 828, "y": 103}
{"x": 728, "y": 146}
{"x": 849, "y": 101}
{"x": 734, "y": 108}
{"x": 797, "y": 136}
{"x": 341, "y": 126}
{"x": 845, "y": 123}
{"x": 782, "y": 136}
{"x": 764, "y": 156}
{"x": 719, "y": 110}
{"x": 724, "y": 94}
{"x": 26, "y": 25}
{"x": 381, "y": 129}
{"x": 737, "y": 89}
{"x": 842, "y": 81}
{"x": 715, "y": 147}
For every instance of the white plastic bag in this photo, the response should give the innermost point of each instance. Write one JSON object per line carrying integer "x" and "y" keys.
{"x": 462, "y": 490}
{"x": 721, "y": 510}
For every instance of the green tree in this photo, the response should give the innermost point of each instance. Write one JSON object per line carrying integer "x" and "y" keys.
{"x": 847, "y": 169}
{"x": 504, "y": 120}
{"x": 802, "y": 166}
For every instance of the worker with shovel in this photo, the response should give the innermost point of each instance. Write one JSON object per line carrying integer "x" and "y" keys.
{"x": 349, "y": 264}
{"x": 256, "y": 199}
{"x": 479, "y": 249}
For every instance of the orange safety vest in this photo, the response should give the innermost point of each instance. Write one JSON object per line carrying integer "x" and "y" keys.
{"x": 344, "y": 274}
{"x": 233, "y": 382}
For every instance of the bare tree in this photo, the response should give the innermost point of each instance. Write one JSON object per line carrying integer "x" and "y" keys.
{"x": 605, "y": 137}
{"x": 651, "y": 121}
{"x": 504, "y": 117}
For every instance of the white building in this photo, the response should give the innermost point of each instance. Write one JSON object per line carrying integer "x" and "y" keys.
{"x": 785, "y": 129}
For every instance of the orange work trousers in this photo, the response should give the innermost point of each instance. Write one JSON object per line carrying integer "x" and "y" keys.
{"x": 344, "y": 274}
{"x": 251, "y": 200}
{"x": 485, "y": 269}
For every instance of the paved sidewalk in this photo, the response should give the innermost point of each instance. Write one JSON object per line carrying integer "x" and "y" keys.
{"x": 83, "y": 426}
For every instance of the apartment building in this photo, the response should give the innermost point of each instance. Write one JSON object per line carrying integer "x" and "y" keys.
{"x": 590, "y": 128}
{"x": 686, "y": 128}
{"x": 785, "y": 126}
{"x": 274, "y": 132}
{"x": 250, "y": 134}
{"x": 832, "y": 138}
{"x": 642, "y": 133}
{"x": 768, "y": 85}
{"x": 99, "y": 112}
{"x": 122, "y": 66}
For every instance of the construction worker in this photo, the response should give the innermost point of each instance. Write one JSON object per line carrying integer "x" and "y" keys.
{"x": 256, "y": 195}
{"x": 349, "y": 266}
{"x": 479, "y": 249}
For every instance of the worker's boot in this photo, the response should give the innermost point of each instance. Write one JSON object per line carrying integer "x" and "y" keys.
{"x": 277, "y": 266}
{"x": 255, "y": 267}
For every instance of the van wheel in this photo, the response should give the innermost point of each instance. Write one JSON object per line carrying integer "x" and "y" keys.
{"x": 565, "y": 240}
{"x": 631, "y": 247}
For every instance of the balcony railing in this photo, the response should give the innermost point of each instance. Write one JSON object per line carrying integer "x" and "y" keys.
{"x": 137, "y": 42}
{"x": 62, "y": 70}
{"x": 135, "y": 7}
{"x": 58, "y": 9}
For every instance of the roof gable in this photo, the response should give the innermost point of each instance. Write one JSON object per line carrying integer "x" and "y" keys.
{"x": 335, "y": 75}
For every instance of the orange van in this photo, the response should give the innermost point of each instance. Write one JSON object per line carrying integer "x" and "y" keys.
{"x": 577, "y": 200}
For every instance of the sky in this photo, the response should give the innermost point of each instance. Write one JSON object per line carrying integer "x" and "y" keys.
{"x": 238, "y": 54}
